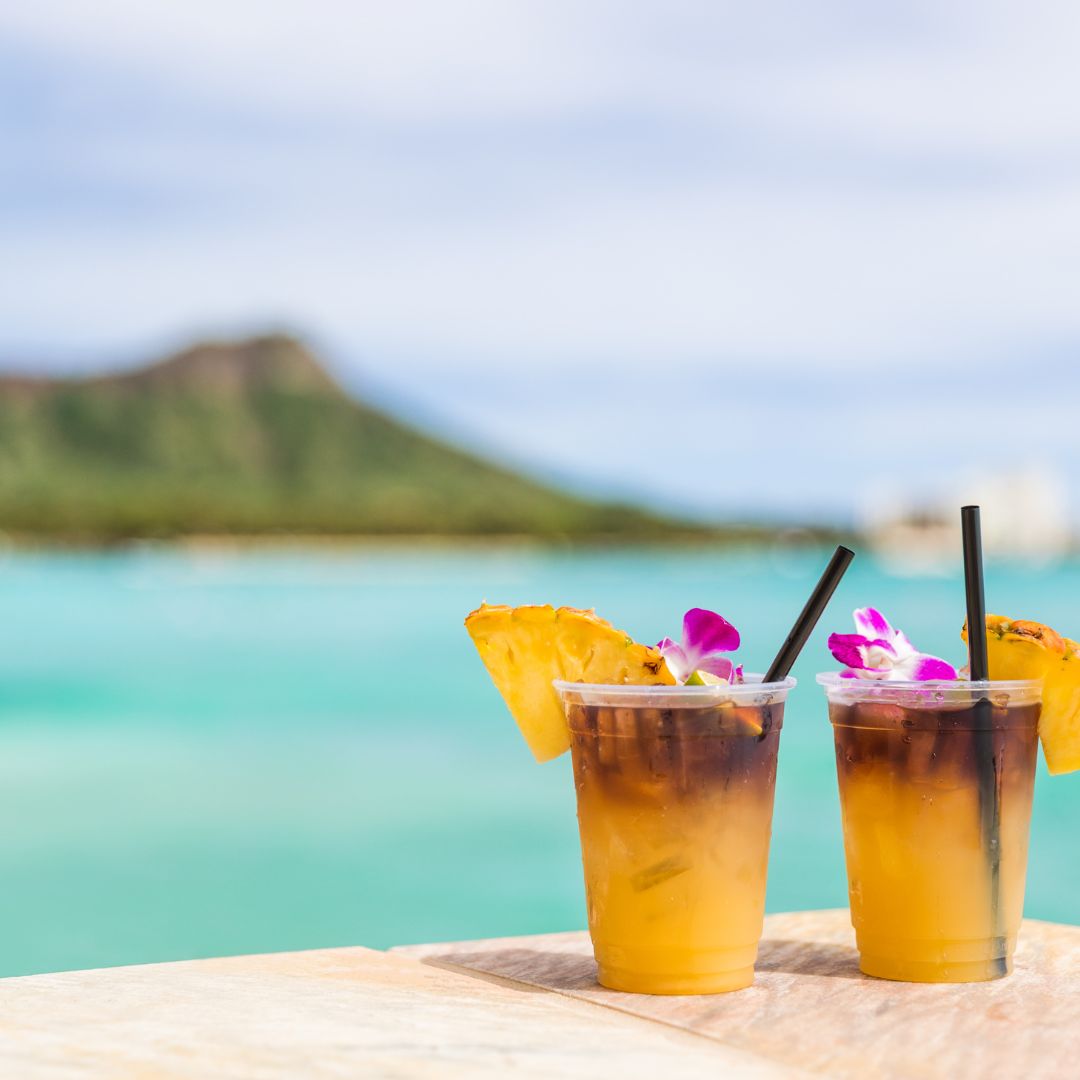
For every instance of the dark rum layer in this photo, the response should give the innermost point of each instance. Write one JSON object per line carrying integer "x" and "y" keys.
{"x": 935, "y": 746}
{"x": 648, "y": 753}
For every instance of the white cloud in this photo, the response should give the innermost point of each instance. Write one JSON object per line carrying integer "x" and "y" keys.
{"x": 955, "y": 75}
{"x": 426, "y": 60}
{"x": 724, "y": 273}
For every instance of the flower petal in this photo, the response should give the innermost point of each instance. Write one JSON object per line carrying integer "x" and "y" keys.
{"x": 902, "y": 646}
{"x": 717, "y": 665}
{"x": 922, "y": 668}
{"x": 881, "y": 654}
{"x": 677, "y": 661}
{"x": 873, "y": 624}
{"x": 706, "y": 632}
{"x": 848, "y": 649}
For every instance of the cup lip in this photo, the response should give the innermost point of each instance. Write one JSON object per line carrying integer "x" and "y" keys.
{"x": 833, "y": 679}
{"x": 749, "y": 691}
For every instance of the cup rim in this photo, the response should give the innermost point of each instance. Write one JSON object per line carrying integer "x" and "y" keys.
{"x": 834, "y": 679}
{"x": 750, "y": 691}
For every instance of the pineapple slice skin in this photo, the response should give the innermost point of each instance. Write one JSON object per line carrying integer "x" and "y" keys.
{"x": 1061, "y": 704}
{"x": 526, "y": 648}
{"x": 1021, "y": 649}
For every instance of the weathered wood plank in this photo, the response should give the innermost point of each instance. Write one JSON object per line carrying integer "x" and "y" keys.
{"x": 810, "y": 1007}
{"x": 337, "y": 1013}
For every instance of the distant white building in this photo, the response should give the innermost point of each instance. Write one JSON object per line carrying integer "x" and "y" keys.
{"x": 1025, "y": 515}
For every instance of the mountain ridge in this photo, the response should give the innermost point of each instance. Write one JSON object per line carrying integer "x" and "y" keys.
{"x": 255, "y": 437}
{"x": 212, "y": 364}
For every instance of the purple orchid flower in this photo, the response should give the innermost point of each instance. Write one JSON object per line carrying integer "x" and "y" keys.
{"x": 705, "y": 637}
{"x": 878, "y": 651}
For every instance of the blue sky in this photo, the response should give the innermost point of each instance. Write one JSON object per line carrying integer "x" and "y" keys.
{"x": 761, "y": 258}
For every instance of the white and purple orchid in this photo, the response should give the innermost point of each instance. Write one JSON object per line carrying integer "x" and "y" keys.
{"x": 879, "y": 651}
{"x": 706, "y": 636}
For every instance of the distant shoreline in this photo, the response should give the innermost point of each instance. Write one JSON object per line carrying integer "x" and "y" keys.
{"x": 789, "y": 536}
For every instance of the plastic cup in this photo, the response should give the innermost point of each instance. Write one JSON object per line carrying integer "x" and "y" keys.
{"x": 675, "y": 799}
{"x": 935, "y": 795}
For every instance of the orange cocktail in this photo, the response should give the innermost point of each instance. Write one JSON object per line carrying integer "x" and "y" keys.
{"x": 675, "y": 798}
{"x": 935, "y": 790}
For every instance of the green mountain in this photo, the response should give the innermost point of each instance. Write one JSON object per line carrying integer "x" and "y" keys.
{"x": 254, "y": 438}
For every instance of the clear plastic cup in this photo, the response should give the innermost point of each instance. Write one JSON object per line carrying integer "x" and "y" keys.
{"x": 675, "y": 799}
{"x": 935, "y": 793}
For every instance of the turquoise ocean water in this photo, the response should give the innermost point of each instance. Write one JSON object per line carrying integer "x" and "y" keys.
{"x": 207, "y": 753}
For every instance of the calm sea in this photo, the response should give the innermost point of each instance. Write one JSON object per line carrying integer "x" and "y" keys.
{"x": 207, "y": 753}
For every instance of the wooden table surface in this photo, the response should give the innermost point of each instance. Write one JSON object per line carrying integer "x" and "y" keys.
{"x": 531, "y": 1007}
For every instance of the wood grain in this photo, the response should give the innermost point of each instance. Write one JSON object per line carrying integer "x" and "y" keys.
{"x": 337, "y": 1013}
{"x": 811, "y": 1008}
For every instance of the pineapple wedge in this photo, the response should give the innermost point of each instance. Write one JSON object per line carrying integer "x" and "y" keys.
{"x": 1019, "y": 649}
{"x": 525, "y": 648}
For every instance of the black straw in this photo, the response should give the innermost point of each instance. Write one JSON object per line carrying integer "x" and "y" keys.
{"x": 810, "y": 614}
{"x": 989, "y": 796}
{"x": 976, "y": 596}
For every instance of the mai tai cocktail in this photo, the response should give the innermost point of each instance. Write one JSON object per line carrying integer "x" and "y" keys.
{"x": 674, "y": 755}
{"x": 930, "y": 902}
{"x": 675, "y": 801}
{"x": 936, "y": 776}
